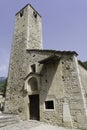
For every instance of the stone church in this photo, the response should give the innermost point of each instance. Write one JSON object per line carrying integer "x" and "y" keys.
{"x": 44, "y": 85}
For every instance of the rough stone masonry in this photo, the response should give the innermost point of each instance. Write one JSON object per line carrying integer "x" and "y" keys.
{"x": 45, "y": 85}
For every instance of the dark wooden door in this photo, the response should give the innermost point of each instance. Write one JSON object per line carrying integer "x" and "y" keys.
{"x": 34, "y": 107}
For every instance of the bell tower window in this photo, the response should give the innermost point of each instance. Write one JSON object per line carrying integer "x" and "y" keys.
{"x": 35, "y": 14}
{"x": 21, "y": 13}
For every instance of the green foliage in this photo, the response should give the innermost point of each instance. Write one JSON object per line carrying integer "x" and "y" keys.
{"x": 85, "y": 64}
{"x": 3, "y": 84}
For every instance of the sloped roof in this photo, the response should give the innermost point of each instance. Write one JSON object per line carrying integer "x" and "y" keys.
{"x": 25, "y": 7}
{"x": 54, "y": 51}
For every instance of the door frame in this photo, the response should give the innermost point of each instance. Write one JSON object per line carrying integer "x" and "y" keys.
{"x": 38, "y": 106}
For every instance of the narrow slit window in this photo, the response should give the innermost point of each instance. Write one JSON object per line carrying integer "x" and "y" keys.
{"x": 33, "y": 68}
{"x": 49, "y": 104}
{"x": 35, "y": 14}
{"x": 21, "y": 13}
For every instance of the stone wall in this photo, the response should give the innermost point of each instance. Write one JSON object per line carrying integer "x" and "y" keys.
{"x": 52, "y": 89}
{"x": 73, "y": 91}
{"x": 34, "y": 30}
{"x": 57, "y": 82}
{"x": 83, "y": 77}
{"x": 51, "y": 86}
{"x": 26, "y": 26}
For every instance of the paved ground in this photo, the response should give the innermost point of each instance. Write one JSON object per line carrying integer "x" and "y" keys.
{"x": 32, "y": 125}
{"x": 13, "y": 122}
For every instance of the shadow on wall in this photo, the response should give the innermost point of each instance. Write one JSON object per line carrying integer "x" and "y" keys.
{"x": 48, "y": 73}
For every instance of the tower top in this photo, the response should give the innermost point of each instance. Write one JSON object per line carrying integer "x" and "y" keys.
{"x": 27, "y": 6}
{"x": 28, "y": 26}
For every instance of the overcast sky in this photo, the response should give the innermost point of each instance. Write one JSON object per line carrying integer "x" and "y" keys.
{"x": 64, "y": 24}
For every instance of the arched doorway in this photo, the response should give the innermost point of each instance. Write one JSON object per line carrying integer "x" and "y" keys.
{"x": 33, "y": 99}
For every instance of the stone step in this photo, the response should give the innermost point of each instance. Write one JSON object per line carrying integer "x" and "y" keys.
{"x": 7, "y": 123}
{"x": 7, "y": 119}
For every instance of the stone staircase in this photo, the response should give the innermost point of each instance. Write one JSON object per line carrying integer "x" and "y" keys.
{"x": 11, "y": 119}
{"x": 8, "y": 119}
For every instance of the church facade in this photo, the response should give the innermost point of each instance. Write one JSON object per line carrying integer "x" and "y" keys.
{"x": 44, "y": 85}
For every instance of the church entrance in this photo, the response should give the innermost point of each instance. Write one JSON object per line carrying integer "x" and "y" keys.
{"x": 34, "y": 107}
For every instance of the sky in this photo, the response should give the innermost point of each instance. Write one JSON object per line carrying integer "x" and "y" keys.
{"x": 64, "y": 26}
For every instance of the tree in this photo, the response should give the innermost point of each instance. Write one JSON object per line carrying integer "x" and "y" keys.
{"x": 85, "y": 64}
{"x": 3, "y": 84}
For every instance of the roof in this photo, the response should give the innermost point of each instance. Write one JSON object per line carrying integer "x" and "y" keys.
{"x": 25, "y": 7}
{"x": 54, "y": 51}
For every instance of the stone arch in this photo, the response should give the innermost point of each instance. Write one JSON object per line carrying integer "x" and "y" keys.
{"x": 33, "y": 83}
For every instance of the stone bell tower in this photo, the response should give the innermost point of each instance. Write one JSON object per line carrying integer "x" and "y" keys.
{"x": 28, "y": 28}
{"x": 27, "y": 35}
